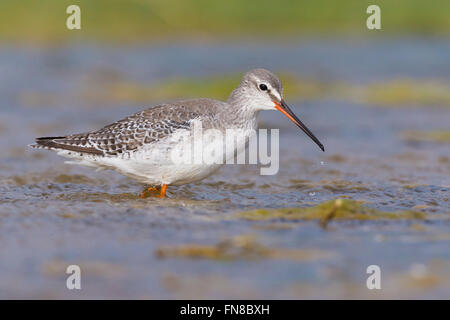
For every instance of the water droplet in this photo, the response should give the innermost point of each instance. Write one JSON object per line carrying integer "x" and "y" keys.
{"x": 322, "y": 163}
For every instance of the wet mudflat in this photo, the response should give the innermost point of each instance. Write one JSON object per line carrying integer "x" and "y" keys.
{"x": 237, "y": 234}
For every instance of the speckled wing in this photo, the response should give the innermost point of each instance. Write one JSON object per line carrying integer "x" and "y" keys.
{"x": 127, "y": 135}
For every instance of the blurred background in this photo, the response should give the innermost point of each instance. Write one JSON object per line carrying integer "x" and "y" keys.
{"x": 379, "y": 100}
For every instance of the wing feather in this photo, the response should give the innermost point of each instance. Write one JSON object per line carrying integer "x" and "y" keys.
{"x": 126, "y": 135}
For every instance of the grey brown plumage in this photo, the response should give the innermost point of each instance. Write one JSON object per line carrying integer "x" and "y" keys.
{"x": 129, "y": 134}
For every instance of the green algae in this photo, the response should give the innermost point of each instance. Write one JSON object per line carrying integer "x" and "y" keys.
{"x": 99, "y": 197}
{"x": 239, "y": 248}
{"x": 407, "y": 92}
{"x": 339, "y": 209}
{"x": 441, "y": 136}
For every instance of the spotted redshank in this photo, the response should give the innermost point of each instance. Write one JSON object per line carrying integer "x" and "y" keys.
{"x": 139, "y": 145}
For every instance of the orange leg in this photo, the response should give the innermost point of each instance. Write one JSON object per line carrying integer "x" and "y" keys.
{"x": 147, "y": 192}
{"x": 162, "y": 194}
{"x": 152, "y": 191}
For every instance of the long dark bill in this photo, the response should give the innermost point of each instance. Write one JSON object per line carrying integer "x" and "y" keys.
{"x": 284, "y": 108}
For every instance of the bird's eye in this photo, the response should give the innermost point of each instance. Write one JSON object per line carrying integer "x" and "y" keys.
{"x": 263, "y": 87}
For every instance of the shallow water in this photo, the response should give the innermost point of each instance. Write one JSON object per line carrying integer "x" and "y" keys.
{"x": 53, "y": 214}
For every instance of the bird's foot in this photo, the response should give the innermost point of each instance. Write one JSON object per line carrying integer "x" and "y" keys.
{"x": 153, "y": 191}
{"x": 149, "y": 191}
{"x": 162, "y": 193}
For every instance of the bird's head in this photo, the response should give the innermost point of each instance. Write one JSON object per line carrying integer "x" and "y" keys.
{"x": 262, "y": 90}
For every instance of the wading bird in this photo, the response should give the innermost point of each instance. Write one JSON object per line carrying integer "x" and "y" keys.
{"x": 139, "y": 146}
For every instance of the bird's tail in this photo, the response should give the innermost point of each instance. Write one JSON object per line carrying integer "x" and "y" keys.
{"x": 77, "y": 143}
{"x": 47, "y": 143}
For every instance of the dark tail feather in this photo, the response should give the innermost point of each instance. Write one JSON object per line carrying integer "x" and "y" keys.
{"x": 50, "y": 143}
{"x": 49, "y": 138}
{"x": 46, "y": 143}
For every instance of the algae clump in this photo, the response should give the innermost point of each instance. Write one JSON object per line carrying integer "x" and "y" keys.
{"x": 240, "y": 248}
{"x": 442, "y": 136}
{"x": 339, "y": 209}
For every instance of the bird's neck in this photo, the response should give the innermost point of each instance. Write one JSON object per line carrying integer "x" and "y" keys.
{"x": 241, "y": 106}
